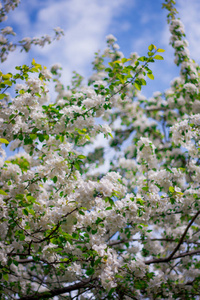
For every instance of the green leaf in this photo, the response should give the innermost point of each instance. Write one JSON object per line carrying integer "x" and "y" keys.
{"x": 30, "y": 199}
{"x": 125, "y": 60}
{"x": 145, "y": 188}
{"x": 160, "y": 50}
{"x": 33, "y": 62}
{"x": 41, "y": 137}
{"x": 138, "y": 87}
{"x": 159, "y": 57}
{"x": 117, "y": 61}
{"x": 139, "y": 200}
{"x": 28, "y": 140}
{"x": 3, "y": 141}
{"x": 141, "y": 81}
{"x": 6, "y": 76}
{"x": 119, "y": 276}
{"x": 151, "y": 47}
{"x": 2, "y": 96}
{"x": 3, "y": 193}
{"x": 109, "y": 208}
{"x": 25, "y": 211}
{"x": 142, "y": 58}
{"x": 167, "y": 169}
{"x": 171, "y": 189}
{"x": 111, "y": 64}
{"x": 90, "y": 272}
{"x": 151, "y": 53}
{"x": 34, "y": 69}
{"x": 20, "y": 137}
{"x": 21, "y": 92}
{"x": 87, "y": 137}
{"x": 10, "y": 262}
{"x": 84, "y": 208}
{"x": 7, "y": 82}
{"x": 123, "y": 96}
{"x": 111, "y": 292}
{"x": 55, "y": 179}
{"x": 33, "y": 136}
{"x": 141, "y": 147}
{"x": 32, "y": 212}
{"x": 19, "y": 197}
{"x": 22, "y": 237}
{"x": 5, "y": 276}
{"x": 150, "y": 76}
{"x": 81, "y": 156}
{"x": 76, "y": 165}
{"x": 172, "y": 200}
{"x": 37, "y": 94}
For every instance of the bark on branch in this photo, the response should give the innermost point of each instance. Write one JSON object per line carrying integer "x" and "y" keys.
{"x": 58, "y": 291}
{"x": 171, "y": 256}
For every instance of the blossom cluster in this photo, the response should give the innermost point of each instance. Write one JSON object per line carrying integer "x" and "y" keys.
{"x": 120, "y": 221}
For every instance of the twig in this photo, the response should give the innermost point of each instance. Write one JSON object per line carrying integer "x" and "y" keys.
{"x": 171, "y": 256}
{"x": 58, "y": 291}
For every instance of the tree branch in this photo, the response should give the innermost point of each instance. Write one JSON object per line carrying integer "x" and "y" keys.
{"x": 167, "y": 259}
{"x": 58, "y": 291}
{"x": 187, "y": 254}
{"x": 156, "y": 108}
{"x": 117, "y": 242}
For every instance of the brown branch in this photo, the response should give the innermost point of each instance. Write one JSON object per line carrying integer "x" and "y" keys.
{"x": 32, "y": 181}
{"x": 59, "y": 291}
{"x": 187, "y": 254}
{"x": 55, "y": 229}
{"x": 29, "y": 234}
{"x": 167, "y": 259}
{"x": 156, "y": 108}
{"x": 132, "y": 79}
{"x": 26, "y": 261}
{"x": 20, "y": 254}
{"x": 40, "y": 241}
{"x": 49, "y": 235}
{"x": 117, "y": 242}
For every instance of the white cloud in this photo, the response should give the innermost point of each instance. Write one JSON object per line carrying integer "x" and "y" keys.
{"x": 85, "y": 23}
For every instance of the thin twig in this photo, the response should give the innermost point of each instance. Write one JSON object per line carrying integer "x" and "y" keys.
{"x": 171, "y": 256}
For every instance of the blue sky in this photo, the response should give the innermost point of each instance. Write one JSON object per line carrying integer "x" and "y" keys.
{"x": 135, "y": 23}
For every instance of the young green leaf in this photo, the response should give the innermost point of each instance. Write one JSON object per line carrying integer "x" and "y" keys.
{"x": 3, "y": 141}
{"x": 171, "y": 189}
{"x": 3, "y": 193}
{"x": 159, "y": 57}
{"x": 150, "y": 75}
{"x": 2, "y": 96}
{"x": 152, "y": 47}
{"x": 138, "y": 87}
{"x": 160, "y": 50}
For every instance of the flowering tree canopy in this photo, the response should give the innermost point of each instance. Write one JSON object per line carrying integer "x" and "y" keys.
{"x": 72, "y": 227}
